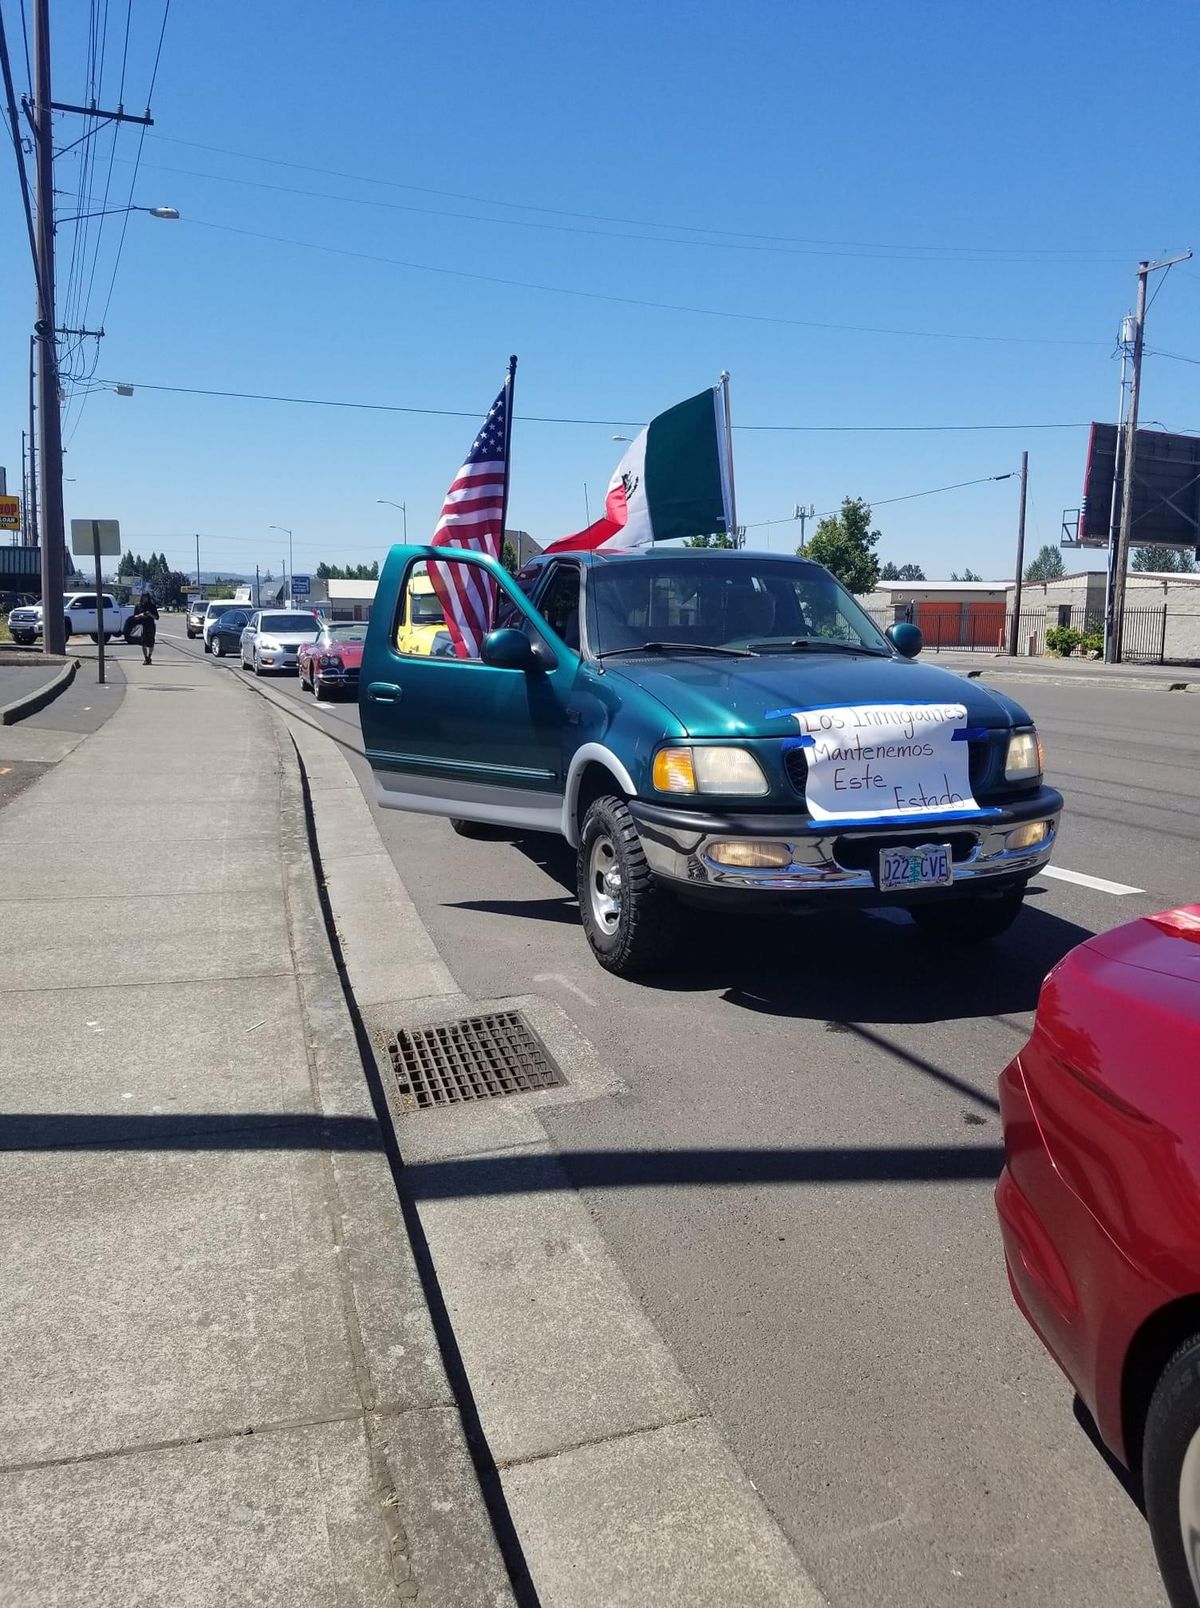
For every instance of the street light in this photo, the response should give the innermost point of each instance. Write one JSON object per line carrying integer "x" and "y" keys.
{"x": 108, "y": 212}
{"x": 401, "y": 506}
{"x": 288, "y": 534}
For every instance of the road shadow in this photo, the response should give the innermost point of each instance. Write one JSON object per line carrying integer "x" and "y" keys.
{"x": 839, "y": 966}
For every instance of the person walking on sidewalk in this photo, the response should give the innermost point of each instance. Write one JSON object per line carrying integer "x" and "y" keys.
{"x": 147, "y": 616}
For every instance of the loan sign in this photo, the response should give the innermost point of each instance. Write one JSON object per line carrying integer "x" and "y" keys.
{"x": 881, "y": 760}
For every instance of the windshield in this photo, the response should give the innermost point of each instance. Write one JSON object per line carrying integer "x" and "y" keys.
{"x": 767, "y": 604}
{"x": 346, "y": 633}
{"x": 293, "y": 624}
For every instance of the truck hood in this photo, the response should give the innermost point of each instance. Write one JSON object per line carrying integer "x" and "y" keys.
{"x": 720, "y": 697}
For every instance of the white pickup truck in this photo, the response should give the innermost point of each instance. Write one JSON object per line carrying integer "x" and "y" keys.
{"x": 79, "y": 618}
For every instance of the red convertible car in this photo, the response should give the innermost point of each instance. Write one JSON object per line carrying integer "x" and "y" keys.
{"x": 1099, "y": 1205}
{"x": 331, "y": 661}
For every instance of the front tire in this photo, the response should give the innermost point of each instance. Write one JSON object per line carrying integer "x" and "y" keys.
{"x": 191, "y": 636}
{"x": 318, "y": 695}
{"x": 631, "y": 922}
{"x": 256, "y": 667}
{"x": 1171, "y": 1474}
{"x": 207, "y": 645}
{"x": 218, "y": 648}
{"x": 968, "y": 921}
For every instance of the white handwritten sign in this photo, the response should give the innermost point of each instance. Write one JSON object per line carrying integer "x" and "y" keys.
{"x": 886, "y": 760}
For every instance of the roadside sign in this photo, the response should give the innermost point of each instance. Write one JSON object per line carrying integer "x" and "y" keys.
{"x": 10, "y": 513}
{"x": 301, "y": 585}
{"x": 85, "y": 533}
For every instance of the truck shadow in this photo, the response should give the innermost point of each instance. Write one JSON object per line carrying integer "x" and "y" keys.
{"x": 842, "y": 967}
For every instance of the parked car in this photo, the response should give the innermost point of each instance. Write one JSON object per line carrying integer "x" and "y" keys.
{"x": 272, "y": 638}
{"x": 1099, "y": 1206}
{"x": 79, "y": 618}
{"x": 197, "y": 612}
{"x": 213, "y": 611}
{"x": 421, "y": 618}
{"x": 330, "y": 662}
{"x": 726, "y": 728}
{"x": 225, "y": 632}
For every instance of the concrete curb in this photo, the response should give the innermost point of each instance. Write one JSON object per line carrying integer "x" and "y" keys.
{"x": 19, "y": 708}
{"x": 616, "y": 1479}
{"x": 443, "y": 1545}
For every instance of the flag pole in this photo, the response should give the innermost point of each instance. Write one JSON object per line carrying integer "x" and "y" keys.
{"x": 729, "y": 455}
{"x": 508, "y": 423}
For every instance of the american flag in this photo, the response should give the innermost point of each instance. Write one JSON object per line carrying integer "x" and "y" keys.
{"x": 472, "y": 518}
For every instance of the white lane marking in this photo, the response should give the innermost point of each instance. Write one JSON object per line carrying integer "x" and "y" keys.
{"x": 1100, "y": 884}
{"x": 565, "y": 982}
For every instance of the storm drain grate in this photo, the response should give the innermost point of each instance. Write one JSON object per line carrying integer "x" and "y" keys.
{"x": 473, "y": 1058}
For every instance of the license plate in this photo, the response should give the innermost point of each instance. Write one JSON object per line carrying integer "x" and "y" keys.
{"x": 927, "y": 867}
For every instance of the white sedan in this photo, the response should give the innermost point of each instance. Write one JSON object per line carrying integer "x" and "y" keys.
{"x": 272, "y": 639}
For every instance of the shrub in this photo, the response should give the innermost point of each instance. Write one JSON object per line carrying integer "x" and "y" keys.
{"x": 1063, "y": 640}
{"x": 1093, "y": 642}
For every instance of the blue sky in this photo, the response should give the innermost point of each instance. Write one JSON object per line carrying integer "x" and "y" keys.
{"x": 946, "y": 169}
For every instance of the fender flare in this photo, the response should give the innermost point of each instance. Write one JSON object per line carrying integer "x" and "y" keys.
{"x": 590, "y": 753}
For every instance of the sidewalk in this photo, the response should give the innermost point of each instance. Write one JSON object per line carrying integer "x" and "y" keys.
{"x": 1152, "y": 677}
{"x": 221, "y": 1383}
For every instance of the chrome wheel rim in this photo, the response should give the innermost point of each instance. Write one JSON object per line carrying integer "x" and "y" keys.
{"x": 604, "y": 882}
{"x": 1189, "y": 1509}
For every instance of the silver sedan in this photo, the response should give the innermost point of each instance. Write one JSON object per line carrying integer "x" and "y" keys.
{"x": 272, "y": 638}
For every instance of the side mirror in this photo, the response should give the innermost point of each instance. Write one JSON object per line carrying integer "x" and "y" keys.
{"x": 905, "y": 638}
{"x": 507, "y": 649}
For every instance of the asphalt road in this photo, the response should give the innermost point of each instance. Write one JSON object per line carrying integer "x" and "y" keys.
{"x": 835, "y": 1288}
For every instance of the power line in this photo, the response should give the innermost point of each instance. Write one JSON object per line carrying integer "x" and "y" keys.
{"x": 537, "y": 418}
{"x": 18, "y": 148}
{"x": 1004, "y": 252}
{"x": 1177, "y": 357}
{"x": 25, "y": 42}
{"x": 636, "y": 301}
{"x": 884, "y": 502}
{"x": 862, "y": 254}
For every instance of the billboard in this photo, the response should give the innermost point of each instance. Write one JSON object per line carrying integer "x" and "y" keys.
{"x": 1166, "y": 489}
{"x": 10, "y": 513}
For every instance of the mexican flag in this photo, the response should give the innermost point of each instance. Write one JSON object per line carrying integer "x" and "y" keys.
{"x": 675, "y": 480}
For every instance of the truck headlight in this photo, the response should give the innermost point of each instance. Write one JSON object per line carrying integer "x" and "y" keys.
{"x": 1024, "y": 760}
{"x": 708, "y": 770}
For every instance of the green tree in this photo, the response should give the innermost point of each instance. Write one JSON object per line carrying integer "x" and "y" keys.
{"x": 905, "y": 572}
{"x": 1164, "y": 560}
{"x": 967, "y": 575}
{"x": 1047, "y": 566}
{"x": 719, "y": 538}
{"x": 845, "y": 544}
{"x": 508, "y": 557}
{"x": 220, "y": 588}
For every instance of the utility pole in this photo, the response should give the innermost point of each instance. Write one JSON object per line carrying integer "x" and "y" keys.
{"x": 50, "y": 420}
{"x": 1014, "y": 632}
{"x": 1112, "y": 647}
{"x": 31, "y": 525}
{"x": 199, "y": 588}
{"x": 52, "y": 530}
{"x": 1125, "y": 341}
{"x": 803, "y": 515}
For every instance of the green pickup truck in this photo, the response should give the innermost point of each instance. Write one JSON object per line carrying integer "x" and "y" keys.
{"x": 707, "y": 727}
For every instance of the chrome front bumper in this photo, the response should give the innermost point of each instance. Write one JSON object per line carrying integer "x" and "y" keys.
{"x": 678, "y": 847}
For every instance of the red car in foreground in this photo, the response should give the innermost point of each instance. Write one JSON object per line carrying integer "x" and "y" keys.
{"x": 331, "y": 661}
{"x": 1099, "y": 1205}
